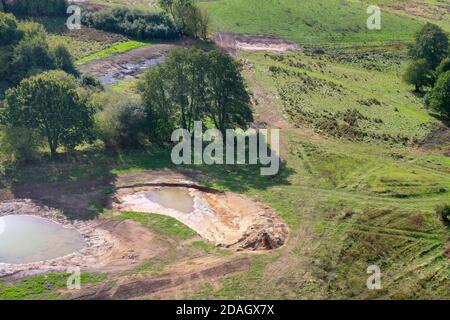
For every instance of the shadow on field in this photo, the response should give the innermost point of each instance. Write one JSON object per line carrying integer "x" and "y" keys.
{"x": 80, "y": 184}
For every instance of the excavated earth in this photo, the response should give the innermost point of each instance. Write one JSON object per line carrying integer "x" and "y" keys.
{"x": 223, "y": 218}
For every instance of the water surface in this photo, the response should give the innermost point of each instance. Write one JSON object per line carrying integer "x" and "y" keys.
{"x": 26, "y": 239}
{"x": 173, "y": 198}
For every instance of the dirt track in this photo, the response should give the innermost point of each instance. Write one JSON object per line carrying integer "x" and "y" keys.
{"x": 117, "y": 67}
{"x": 232, "y": 42}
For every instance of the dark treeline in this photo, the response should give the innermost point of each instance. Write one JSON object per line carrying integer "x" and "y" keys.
{"x": 429, "y": 71}
{"x": 36, "y": 7}
{"x": 26, "y": 52}
{"x": 133, "y": 23}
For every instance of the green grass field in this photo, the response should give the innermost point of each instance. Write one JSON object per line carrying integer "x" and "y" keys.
{"x": 317, "y": 22}
{"x": 116, "y": 48}
{"x": 357, "y": 187}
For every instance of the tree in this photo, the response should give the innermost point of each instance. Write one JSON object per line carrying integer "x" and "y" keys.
{"x": 444, "y": 66}
{"x": 440, "y": 95}
{"x": 30, "y": 57}
{"x": 191, "y": 86}
{"x": 190, "y": 20}
{"x": 37, "y": 7}
{"x": 431, "y": 44}
{"x": 50, "y": 102}
{"x": 63, "y": 60}
{"x": 9, "y": 32}
{"x": 229, "y": 102}
{"x": 419, "y": 74}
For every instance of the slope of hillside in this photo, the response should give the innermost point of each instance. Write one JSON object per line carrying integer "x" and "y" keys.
{"x": 309, "y": 21}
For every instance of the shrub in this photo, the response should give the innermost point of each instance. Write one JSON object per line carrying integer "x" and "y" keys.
{"x": 440, "y": 95}
{"x": 63, "y": 60}
{"x": 431, "y": 44}
{"x": 120, "y": 122}
{"x": 37, "y": 7}
{"x": 444, "y": 212}
{"x": 50, "y": 103}
{"x": 9, "y": 32}
{"x": 30, "y": 57}
{"x": 133, "y": 23}
{"x": 444, "y": 66}
{"x": 419, "y": 73}
{"x": 20, "y": 143}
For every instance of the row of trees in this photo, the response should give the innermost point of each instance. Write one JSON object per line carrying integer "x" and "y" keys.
{"x": 195, "y": 85}
{"x": 26, "y": 51}
{"x": 430, "y": 68}
{"x": 133, "y": 23}
{"x": 55, "y": 107}
{"x": 190, "y": 19}
{"x": 36, "y": 8}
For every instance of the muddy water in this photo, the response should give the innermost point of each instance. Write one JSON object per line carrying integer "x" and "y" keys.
{"x": 173, "y": 198}
{"x": 129, "y": 70}
{"x": 26, "y": 239}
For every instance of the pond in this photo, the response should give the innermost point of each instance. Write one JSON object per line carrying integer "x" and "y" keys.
{"x": 26, "y": 239}
{"x": 173, "y": 198}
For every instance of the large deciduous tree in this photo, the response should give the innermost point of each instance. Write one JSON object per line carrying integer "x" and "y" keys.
{"x": 50, "y": 102}
{"x": 431, "y": 44}
{"x": 194, "y": 85}
{"x": 440, "y": 96}
{"x": 419, "y": 74}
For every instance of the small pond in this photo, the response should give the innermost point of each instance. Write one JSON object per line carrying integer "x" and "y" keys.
{"x": 173, "y": 198}
{"x": 26, "y": 239}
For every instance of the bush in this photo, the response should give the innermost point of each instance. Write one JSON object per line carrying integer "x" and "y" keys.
{"x": 132, "y": 23}
{"x": 431, "y": 44}
{"x": 189, "y": 19}
{"x": 440, "y": 96}
{"x": 444, "y": 66}
{"x": 419, "y": 73}
{"x": 444, "y": 212}
{"x": 63, "y": 60}
{"x": 37, "y": 7}
{"x": 120, "y": 122}
{"x": 30, "y": 56}
{"x": 20, "y": 143}
{"x": 9, "y": 32}
{"x": 50, "y": 102}
{"x": 91, "y": 82}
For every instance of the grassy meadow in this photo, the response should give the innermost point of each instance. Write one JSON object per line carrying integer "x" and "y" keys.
{"x": 358, "y": 184}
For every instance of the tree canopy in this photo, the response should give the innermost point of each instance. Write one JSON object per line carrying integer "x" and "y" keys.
{"x": 440, "y": 95}
{"x": 195, "y": 85}
{"x": 419, "y": 73}
{"x": 50, "y": 102}
{"x": 431, "y": 44}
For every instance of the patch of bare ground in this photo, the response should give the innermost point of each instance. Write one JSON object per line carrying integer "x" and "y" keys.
{"x": 232, "y": 42}
{"x": 438, "y": 139}
{"x": 112, "y": 245}
{"x": 224, "y": 218}
{"x": 423, "y": 10}
{"x": 180, "y": 277}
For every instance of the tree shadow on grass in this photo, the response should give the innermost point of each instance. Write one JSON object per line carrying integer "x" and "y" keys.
{"x": 80, "y": 185}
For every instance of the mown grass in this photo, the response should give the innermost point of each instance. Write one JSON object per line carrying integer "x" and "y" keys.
{"x": 160, "y": 223}
{"x": 309, "y": 21}
{"x": 117, "y": 48}
{"x": 43, "y": 287}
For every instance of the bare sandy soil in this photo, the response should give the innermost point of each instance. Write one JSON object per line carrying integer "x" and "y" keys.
{"x": 112, "y": 246}
{"x": 117, "y": 67}
{"x": 232, "y": 42}
{"x": 223, "y": 218}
